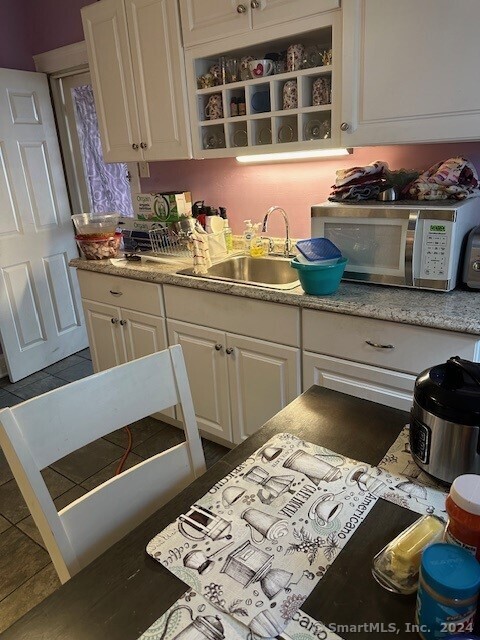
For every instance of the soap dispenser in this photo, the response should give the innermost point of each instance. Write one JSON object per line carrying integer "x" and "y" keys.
{"x": 248, "y": 236}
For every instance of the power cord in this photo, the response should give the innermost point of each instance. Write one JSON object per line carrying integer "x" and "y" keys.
{"x": 127, "y": 452}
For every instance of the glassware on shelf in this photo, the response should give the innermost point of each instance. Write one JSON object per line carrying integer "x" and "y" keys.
{"x": 312, "y": 57}
{"x": 264, "y": 135}
{"x": 232, "y": 69}
{"x": 240, "y": 138}
{"x": 317, "y": 130}
{"x": 213, "y": 140}
{"x": 286, "y": 133}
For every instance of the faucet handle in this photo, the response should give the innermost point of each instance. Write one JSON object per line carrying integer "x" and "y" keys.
{"x": 288, "y": 247}
{"x": 271, "y": 243}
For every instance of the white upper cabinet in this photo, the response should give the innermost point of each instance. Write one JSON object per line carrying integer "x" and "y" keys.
{"x": 410, "y": 71}
{"x": 209, "y": 20}
{"x": 137, "y": 67}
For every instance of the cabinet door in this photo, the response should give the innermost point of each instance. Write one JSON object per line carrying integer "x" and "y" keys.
{"x": 264, "y": 377}
{"x": 159, "y": 72}
{"x": 400, "y": 81}
{"x": 144, "y": 334}
{"x": 205, "y": 359}
{"x": 207, "y": 20}
{"x": 391, "y": 388}
{"x": 105, "y": 28}
{"x": 270, "y": 12}
{"x": 105, "y": 335}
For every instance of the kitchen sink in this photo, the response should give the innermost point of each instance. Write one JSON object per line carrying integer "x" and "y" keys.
{"x": 272, "y": 272}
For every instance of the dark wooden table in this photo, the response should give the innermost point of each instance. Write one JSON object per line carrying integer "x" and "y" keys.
{"x": 119, "y": 595}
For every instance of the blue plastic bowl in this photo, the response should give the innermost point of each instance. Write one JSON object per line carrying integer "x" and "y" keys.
{"x": 320, "y": 280}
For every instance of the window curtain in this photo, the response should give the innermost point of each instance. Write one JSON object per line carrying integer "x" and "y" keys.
{"x": 108, "y": 184}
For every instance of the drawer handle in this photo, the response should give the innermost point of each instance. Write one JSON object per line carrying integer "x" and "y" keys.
{"x": 380, "y": 346}
{"x": 116, "y": 293}
{"x": 229, "y": 350}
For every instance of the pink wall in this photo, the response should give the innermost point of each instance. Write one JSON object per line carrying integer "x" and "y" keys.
{"x": 248, "y": 191}
{"x": 15, "y": 50}
{"x": 54, "y": 23}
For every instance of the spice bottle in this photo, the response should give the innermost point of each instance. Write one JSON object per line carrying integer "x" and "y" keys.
{"x": 242, "y": 109}
{"x": 448, "y": 591}
{"x": 463, "y": 508}
{"x": 234, "y": 107}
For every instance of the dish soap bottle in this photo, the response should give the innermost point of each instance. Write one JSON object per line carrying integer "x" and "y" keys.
{"x": 248, "y": 236}
{"x": 257, "y": 246}
{"x": 227, "y": 232}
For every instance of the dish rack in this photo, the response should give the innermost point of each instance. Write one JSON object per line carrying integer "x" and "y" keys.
{"x": 168, "y": 244}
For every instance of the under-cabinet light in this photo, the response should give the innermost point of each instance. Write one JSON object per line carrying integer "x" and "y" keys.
{"x": 288, "y": 156}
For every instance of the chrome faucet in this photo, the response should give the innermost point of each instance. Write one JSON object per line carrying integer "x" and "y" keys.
{"x": 287, "y": 249}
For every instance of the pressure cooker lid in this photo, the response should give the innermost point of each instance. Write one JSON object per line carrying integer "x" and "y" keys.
{"x": 451, "y": 391}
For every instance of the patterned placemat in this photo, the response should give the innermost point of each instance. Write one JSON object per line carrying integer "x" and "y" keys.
{"x": 192, "y": 614}
{"x": 259, "y": 541}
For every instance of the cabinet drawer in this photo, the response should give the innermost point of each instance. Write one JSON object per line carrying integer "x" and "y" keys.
{"x": 253, "y": 318}
{"x": 414, "y": 348}
{"x": 145, "y": 297}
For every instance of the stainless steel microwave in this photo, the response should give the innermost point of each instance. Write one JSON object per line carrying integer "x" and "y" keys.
{"x": 403, "y": 244}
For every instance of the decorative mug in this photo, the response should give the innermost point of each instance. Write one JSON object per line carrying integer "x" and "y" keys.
{"x": 290, "y": 95}
{"x": 214, "y": 107}
{"x": 295, "y": 55}
{"x": 216, "y": 71}
{"x": 322, "y": 91}
{"x": 260, "y": 68}
{"x": 245, "y": 68}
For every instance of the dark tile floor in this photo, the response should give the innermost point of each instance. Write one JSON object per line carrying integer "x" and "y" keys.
{"x": 27, "y": 575}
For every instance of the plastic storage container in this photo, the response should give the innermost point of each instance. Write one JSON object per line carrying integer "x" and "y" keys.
{"x": 99, "y": 247}
{"x": 93, "y": 223}
{"x": 463, "y": 508}
{"x": 448, "y": 591}
{"x": 397, "y": 565}
{"x": 319, "y": 279}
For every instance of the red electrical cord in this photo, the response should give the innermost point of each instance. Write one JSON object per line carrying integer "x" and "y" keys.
{"x": 126, "y": 454}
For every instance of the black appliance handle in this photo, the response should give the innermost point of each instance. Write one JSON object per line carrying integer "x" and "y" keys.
{"x": 470, "y": 368}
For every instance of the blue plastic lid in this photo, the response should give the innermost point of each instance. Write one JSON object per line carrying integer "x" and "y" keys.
{"x": 315, "y": 249}
{"x": 451, "y": 571}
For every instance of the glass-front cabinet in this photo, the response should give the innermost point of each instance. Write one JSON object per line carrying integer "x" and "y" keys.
{"x": 280, "y": 95}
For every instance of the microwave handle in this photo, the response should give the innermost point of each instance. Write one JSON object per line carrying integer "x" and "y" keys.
{"x": 409, "y": 248}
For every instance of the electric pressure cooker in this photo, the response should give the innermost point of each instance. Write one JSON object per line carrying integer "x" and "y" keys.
{"x": 445, "y": 420}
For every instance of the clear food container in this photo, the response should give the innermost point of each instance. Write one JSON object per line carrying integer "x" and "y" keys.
{"x": 99, "y": 247}
{"x": 95, "y": 223}
{"x": 397, "y": 565}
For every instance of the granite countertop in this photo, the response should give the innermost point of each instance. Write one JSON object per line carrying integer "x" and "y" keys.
{"x": 454, "y": 311}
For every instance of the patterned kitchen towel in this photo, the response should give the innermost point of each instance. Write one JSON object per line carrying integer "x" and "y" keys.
{"x": 259, "y": 541}
{"x": 195, "y": 615}
{"x": 201, "y": 251}
{"x": 455, "y": 178}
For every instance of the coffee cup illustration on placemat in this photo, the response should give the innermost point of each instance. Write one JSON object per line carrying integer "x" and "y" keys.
{"x": 324, "y": 509}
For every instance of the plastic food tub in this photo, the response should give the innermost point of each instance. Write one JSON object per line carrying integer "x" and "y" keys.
{"x": 318, "y": 279}
{"x": 92, "y": 223}
{"x": 99, "y": 247}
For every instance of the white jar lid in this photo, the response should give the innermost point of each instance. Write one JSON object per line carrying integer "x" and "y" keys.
{"x": 465, "y": 492}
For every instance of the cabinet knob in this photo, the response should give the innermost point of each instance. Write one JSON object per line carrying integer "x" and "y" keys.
{"x": 114, "y": 320}
{"x": 241, "y": 8}
{"x": 229, "y": 350}
{"x": 218, "y": 347}
{"x": 255, "y": 4}
{"x": 344, "y": 126}
{"x": 476, "y": 265}
{"x": 379, "y": 346}
{"x": 123, "y": 322}
{"x": 143, "y": 145}
{"x": 135, "y": 146}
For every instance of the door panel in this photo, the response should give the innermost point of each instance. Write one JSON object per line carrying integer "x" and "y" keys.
{"x": 391, "y": 388}
{"x": 207, "y": 374}
{"x": 207, "y": 20}
{"x": 105, "y": 29}
{"x": 40, "y": 316}
{"x": 264, "y": 378}
{"x": 106, "y": 338}
{"x": 155, "y": 44}
{"x": 272, "y": 12}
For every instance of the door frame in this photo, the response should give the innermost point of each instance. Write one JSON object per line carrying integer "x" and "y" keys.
{"x": 59, "y": 64}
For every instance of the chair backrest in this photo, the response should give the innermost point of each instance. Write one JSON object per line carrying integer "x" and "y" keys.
{"x": 40, "y": 431}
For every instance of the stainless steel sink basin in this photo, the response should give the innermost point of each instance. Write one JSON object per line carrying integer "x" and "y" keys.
{"x": 275, "y": 273}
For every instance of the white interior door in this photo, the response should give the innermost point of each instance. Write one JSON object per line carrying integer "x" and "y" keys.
{"x": 40, "y": 309}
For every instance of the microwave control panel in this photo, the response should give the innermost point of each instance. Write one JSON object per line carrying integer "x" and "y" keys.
{"x": 435, "y": 249}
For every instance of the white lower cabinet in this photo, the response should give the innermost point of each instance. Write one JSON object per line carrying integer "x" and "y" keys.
{"x": 107, "y": 345}
{"x": 237, "y": 383}
{"x": 205, "y": 359}
{"x": 391, "y": 388}
{"x": 143, "y": 334}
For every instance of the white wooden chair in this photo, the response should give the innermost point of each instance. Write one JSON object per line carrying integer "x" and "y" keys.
{"x": 40, "y": 431}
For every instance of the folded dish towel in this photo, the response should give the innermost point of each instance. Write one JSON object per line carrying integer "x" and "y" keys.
{"x": 201, "y": 252}
{"x": 455, "y": 178}
{"x": 359, "y": 183}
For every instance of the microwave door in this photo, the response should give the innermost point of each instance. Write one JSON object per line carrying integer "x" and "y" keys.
{"x": 378, "y": 249}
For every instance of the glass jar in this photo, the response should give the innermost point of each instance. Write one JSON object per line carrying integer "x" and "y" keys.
{"x": 463, "y": 508}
